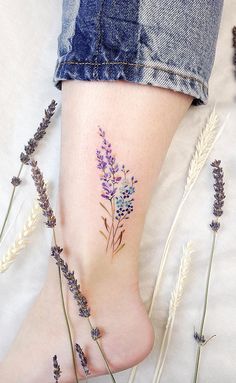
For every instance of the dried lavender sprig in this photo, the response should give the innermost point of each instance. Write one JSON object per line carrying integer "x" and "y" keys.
{"x": 73, "y": 285}
{"x": 218, "y": 175}
{"x": 40, "y": 132}
{"x": 42, "y": 193}
{"x": 56, "y": 369}
{"x": 83, "y": 359}
{"x": 44, "y": 203}
{"x": 84, "y": 310}
{"x": 66, "y": 316}
{"x": 217, "y": 211}
{"x": 234, "y": 46}
{"x": 25, "y": 157}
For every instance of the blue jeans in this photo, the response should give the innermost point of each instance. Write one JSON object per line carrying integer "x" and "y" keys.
{"x": 165, "y": 43}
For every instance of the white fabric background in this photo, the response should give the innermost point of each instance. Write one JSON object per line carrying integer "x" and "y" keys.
{"x": 29, "y": 33}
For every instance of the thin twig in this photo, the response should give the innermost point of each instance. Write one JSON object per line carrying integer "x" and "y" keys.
{"x": 196, "y": 370}
{"x": 103, "y": 354}
{"x": 10, "y": 204}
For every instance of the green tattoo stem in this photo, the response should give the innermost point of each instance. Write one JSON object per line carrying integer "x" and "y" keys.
{"x": 10, "y": 204}
{"x": 113, "y": 228}
{"x": 195, "y": 378}
{"x": 66, "y": 315}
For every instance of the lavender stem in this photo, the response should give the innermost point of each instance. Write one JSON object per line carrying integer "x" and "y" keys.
{"x": 10, "y": 204}
{"x": 204, "y": 309}
{"x": 103, "y": 354}
{"x": 65, "y": 313}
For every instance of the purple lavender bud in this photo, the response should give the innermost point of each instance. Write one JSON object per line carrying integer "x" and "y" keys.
{"x": 215, "y": 225}
{"x": 199, "y": 338}
{"x": 24, "y": 158}
{"x": 219, "y": 195}
{"x": 101, "y": 132}
{"x": 31, "y": 146}
{"x": 234, "y": 36}
{"x": 84, "y": 312}
{"x": 73, "y": 285}
{"x": 83, "y": 359}
{"x": 95, "y": 333}
{"x": 40, "y": 132}
{"x": 15, "y": 181}
{"x": 107, "y": 163}
{"x": 57, "y": 369}
{"x": 42, "y": 193}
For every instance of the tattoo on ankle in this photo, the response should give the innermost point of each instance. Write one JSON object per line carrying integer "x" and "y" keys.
{"x": 117, "y": 190}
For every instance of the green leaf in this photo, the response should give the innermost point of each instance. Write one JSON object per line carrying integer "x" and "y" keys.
{"x": 104, "y": 207}
{"x": 104, "y": 235}
{"x": 121, "y": 247}
{"x": 106, "y": 224}
{"x": 119, "y": 239}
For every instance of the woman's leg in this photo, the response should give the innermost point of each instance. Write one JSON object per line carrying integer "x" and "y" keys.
{"x": 139, "y": 121}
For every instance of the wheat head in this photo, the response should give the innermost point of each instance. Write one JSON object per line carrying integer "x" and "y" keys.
{"x": 176, "y": 296}
{"x": 22, "y": 239}
{"x": 177, "y": 292}
{"x": 203, "y": 146}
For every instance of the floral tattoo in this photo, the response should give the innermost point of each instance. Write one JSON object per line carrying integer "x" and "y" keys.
{"x": 117, "y": 190}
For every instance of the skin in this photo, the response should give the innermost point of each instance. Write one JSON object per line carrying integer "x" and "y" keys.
{"x": 140, "y": 121}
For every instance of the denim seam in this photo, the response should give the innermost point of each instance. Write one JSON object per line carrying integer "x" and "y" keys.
{"x": 136, "y": 64}
{"x": 98, "y": 41}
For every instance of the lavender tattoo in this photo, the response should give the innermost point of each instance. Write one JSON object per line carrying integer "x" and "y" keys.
{"x": 117, "y": 190}
{"x": 56, "y": 369}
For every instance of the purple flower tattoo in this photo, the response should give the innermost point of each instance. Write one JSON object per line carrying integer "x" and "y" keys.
{"x": 117, "y": 190}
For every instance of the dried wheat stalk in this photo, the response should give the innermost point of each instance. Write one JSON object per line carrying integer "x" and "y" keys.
{"x": 202, "y": 149}
{"x": 205, "y": 142}
{"x": 176, "y": 296}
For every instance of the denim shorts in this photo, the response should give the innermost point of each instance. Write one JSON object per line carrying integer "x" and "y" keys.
{"x": 165, "y": 43}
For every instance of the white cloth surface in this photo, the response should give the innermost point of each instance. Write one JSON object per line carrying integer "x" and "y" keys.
{"x": 29, "y": 34}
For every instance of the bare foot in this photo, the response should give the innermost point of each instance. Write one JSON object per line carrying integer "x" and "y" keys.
{"x": 116, "y": 308}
